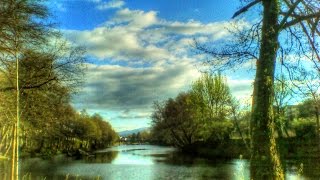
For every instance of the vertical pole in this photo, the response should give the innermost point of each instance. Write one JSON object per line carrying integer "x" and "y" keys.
{"x": 18, "y": 118}
{"x": 13, "y": 160}
{"x": 17, "y": 123}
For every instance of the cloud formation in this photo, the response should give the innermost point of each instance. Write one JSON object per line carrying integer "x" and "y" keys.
{"x": 112, "y": 4}
{"x": 145, "y": 58}
{"x": 131, "y": 91}
{"x": 115, "y": 87}
{"x": 135, "y": 35}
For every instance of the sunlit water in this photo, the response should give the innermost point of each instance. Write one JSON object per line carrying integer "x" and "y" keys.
{"x": 139, "y": 162}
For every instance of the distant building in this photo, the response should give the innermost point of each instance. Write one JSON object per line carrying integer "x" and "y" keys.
{"x": 123, "y": 139}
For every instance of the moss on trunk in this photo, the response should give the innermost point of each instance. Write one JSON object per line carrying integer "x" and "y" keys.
{"x": 265, "y": 161}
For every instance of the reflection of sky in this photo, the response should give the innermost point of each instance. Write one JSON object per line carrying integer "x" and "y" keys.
{"x": 134, "y": 162}
{"x": 138, "y": 155}
{"x": 129, "y": 158}
{"x": 241, "y": 169}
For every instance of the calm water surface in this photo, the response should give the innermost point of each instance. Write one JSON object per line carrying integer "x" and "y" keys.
{"x": 140, "y": 162}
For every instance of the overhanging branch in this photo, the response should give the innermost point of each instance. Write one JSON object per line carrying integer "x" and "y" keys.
{"x": 245, "y": 8}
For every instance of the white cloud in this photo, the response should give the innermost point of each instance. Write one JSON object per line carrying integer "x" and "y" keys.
{"x": 130, "y": 91}
{"x": 127, "y": 114}
{"x": 137, "y": 19}
{"x": 112, "y": 4}
{"x": 140, "y": 37}
{"x": 217, "y": 30}
{"x": 241, "y": 88}
{"x": 148, "y": 59}
{"x": 126, "y": 88}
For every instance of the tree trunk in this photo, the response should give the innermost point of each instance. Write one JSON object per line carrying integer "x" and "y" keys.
{"x": 317, "y": 126}
{"x": 265, "y": 161}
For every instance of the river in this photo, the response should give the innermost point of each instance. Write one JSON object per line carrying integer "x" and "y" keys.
{"x": 140, "y": 162}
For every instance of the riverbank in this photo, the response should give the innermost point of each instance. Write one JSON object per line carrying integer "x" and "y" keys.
{"x": 231, "y": 149}
{"x": 75, "y": 152}
{"x": 290, "y": 148}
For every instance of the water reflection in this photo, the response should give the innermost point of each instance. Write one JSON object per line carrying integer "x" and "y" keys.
{"x": 149, "y": 162}
{"x": 307, "y": 168}
{"x": 102, "y": 157}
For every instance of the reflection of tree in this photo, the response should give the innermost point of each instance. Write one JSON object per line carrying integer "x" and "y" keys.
{"x": 177, "y": 158}
{"x": 104, "y": 157}
{"x": 308, "y": 168}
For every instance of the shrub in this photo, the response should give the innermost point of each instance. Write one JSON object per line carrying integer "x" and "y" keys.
{"x": 305, "y": 129}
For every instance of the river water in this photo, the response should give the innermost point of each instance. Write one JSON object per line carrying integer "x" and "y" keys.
{"x": 140, "y": 162}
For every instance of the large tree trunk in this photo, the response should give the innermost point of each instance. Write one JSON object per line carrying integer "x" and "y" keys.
{"x": 318, "y": 124}
{"x": 265, "y": 161}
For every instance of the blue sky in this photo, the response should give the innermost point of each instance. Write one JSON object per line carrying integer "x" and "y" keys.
{"x": 141, "y": 51}
{"x": 87, "y": 14}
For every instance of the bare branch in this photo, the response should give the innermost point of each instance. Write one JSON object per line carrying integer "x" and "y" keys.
{"x": 34, "y": 86}
{"x": 287, "y": 14}
{"x": 300, "y": 18}
{"x": 312, "y": 44}
{"x": 245, "y": 8}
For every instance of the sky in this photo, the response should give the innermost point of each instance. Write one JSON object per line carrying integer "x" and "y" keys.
{"x": 140, "y": 51}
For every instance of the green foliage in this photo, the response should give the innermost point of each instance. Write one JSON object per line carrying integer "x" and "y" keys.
{"x": 50, "y": 70}
{"x": 305, "y": 129}
{"x": 201, "y": 114}
{"x": 212, "y": 95}
{"x": 282, "y": 96}
{"x": 145, "y": 136}
{"x": 177, "y": 118}
{"x": 306, "y": 109}
{"x": 220, "y": 131}
{"x": 68, "y": 133}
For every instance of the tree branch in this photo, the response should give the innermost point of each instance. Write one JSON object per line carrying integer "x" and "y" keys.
{"x": 245, "y": 8}
{"x": 287, "y": 14}
{"x": 300, "y": 19}
{"x": 29, "y": 86}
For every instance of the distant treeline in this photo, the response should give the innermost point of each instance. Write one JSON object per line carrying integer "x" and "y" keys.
{"x": 142, "y": 137}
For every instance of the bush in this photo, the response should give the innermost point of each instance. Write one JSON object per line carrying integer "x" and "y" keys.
{"x": 305, "y": 130}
